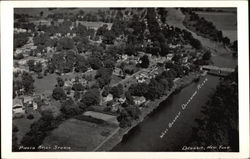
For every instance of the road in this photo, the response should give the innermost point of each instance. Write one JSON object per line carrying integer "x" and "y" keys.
{"x": 129, "y": 78}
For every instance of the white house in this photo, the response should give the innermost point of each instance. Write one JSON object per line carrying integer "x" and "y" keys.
{"x": 139, "y": 100}
{"x": 121, "y": 100}
{"x": 169, "y": 57}
{"x": 18, "y": 107}
{"x": 108, "y": 98}
{"x": 185, "y": 60}
{"x": 68, "y": 83}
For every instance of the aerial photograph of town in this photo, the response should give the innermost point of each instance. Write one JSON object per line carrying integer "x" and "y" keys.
{"x": 125, "y": 80}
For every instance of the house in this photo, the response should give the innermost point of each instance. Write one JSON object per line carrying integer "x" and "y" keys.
{"x": 169, "y": 57}
{"x": 18, "y": 51}
{"x": 121, "y": 100}
{"x": 19, "y": 30}
{"x": 50, "y": 49}
{"x": 124, "y": 57}
{"x": 160, "y": 60}
{"x": 173, "y": 46}
{"x": 18, "y": 107}
{"x": 115, "y": 107}
{"x": 118, "y": 72}
{"x": 17, "y": 69}
{"x": 42, "y": 22}
{"x": 22, "y": 62}
{"x": 185, "y": 60}
{"x": 108, "y": 98}
{"x": 139, "y": 100}
{"x": 27, "y": 99}
{"x": 68, "y": 83}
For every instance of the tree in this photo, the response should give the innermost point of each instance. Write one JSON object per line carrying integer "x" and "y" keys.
{"x": 20, "y": 39}
{"x": 129, "y": 98}
{"x": 27, "y": 82}
{"x": 176, "y": 58}
{"x": 69, "y": 108}
{"x": 41, "y": 13}
{"x": 130, "y": 49}
{"x": 18, "y": 56}
{"x": 139, "y": 89}
{"x": 156, "y": 90}
{"x": 60, "y": 81}
{"x": 58, "y": 93}
{"x": 103, "y": 76}
{"x": 144, "y": 61}
{"x": 207, "y": 55}
{"x": 133, "y": 111}
{"x": 108, "y": 37}
{"x": 234, "y": 46}
{"x": 31, "y": 64}
{"x": 109, "y": 63}
{"x": 38, "y": 68}
{"x": 95, "y": 63}
{"x": 226, "y": 41}
{"x": 169, "y": 65}
{"x": 57, "y": 62}
{"x": 124, "y": 119}
{"x": 195, "y": 43}
{"x": 77, "y": 95}
{"x": 81, "y": 64}
{"x": 91, "y": 97}
{"x": 77, "y": 87}
{"x": 65, "y": 44}
{"x": 117, "y": 91}
{"x": 105, "y": 91}
{"x": 102, "y": 30}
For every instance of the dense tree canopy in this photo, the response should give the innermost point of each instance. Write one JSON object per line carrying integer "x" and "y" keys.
{"x": 91, "y": 97}
{"x": 58, "y": 93}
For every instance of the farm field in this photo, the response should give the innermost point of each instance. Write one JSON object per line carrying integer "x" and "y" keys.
{"x": 80, "y": 139}
{"x": 226, "y": 22}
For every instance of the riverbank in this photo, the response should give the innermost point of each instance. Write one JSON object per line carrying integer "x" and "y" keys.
{"x": 150, "y": 107}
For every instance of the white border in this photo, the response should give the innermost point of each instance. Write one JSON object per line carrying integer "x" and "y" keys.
{"x": 7, "y": 63}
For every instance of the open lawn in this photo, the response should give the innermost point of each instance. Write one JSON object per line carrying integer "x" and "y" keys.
{"x": 115, "y": 79}
{"x": 79, "y": 135}
{"x": 45, "y": 85}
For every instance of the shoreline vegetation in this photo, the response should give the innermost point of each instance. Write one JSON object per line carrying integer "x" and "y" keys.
{"x": 151, "y": 106}
{"x": 219, "y": 109}
{"x": 207, "y": 29}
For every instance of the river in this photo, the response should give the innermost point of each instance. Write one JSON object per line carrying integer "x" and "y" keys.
{"x": 146, "y": 135}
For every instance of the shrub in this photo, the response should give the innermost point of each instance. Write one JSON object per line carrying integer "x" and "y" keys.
{"x": 30, "y": 116}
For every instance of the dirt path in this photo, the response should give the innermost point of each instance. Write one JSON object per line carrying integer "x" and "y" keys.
{"x": 176, "y": 18}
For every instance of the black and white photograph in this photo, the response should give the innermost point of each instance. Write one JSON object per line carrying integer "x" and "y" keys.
{"x": 125, "y": 79}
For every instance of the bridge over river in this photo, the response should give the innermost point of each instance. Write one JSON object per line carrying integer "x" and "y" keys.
{"x": 218, "y": 71}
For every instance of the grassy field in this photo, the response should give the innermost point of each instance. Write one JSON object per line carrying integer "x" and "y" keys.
{"x": 46, "y": 84}
{"x": 76, "y": 134}
{"x": 226, "y": 22}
